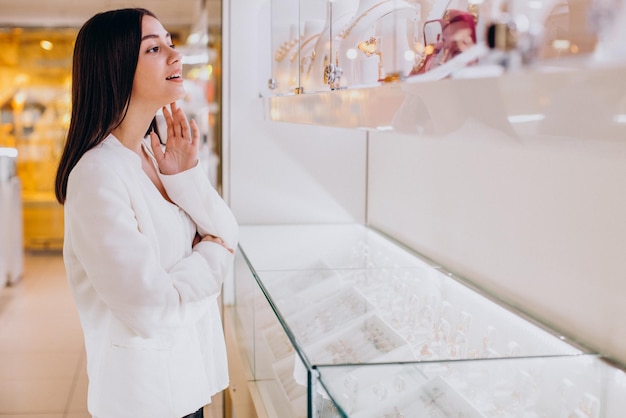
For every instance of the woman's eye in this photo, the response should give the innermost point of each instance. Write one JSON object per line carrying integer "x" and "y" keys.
{"x": 173, "y": 46}
{"x": 154, "y": 49}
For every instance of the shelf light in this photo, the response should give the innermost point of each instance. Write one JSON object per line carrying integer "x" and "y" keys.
{"x": 620, "y": 118}
{"x": 196, "y": 59}
{"x": 534, "y": 117}
{"x": 561, "y": 44}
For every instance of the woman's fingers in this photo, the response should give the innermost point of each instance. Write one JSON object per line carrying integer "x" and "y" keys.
{"x": 169, "y": 122}
{"x": 176, "y": 119}
{"x": 195, "y": 133}
{"x": 219, "y": 241}
{"x": 177, "y": 123}
{"x": 181, "y": 147}
{"x": 156, "y": 146}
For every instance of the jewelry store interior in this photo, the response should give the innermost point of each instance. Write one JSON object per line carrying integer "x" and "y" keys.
{"x": 428, "y": 193}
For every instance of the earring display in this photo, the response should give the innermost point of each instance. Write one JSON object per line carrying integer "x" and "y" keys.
{"x": 524, "y": 387}
{"x": 311, "y": 324}
{"x": 277, "y": 341}
{"x": 283, "y": 369}
{"x": 367, "y": 339}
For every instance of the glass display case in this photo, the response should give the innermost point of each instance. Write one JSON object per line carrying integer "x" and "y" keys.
{"x": 563, "y": 386}
{"x": 338, "y": 320}
{"x": 322, "y": 45}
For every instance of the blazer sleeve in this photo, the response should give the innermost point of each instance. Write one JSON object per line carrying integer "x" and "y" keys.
{"x": 122, "y": 263}
{"x": 192, "y": 191}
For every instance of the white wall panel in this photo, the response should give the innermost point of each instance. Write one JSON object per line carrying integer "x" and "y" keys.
{"x": 539, "y": 221}
{"x": 282, "y": 173}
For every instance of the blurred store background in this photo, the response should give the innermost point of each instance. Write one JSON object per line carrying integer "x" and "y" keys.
{"x": 36, "y": 44}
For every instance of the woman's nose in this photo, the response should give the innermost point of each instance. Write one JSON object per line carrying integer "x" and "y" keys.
{"x": 176, "y": 56}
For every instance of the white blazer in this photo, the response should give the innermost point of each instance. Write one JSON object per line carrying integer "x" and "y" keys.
{"x": 147, "y": 301}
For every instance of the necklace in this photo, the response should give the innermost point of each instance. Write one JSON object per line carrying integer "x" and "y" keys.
{"x": 284, "y": 48}
{"x": 311, "y": 38}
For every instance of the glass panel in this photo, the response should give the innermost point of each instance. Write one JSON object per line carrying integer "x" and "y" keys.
{"x": 336, "y": 44}
{"x": 317, "y": 247}
{"x": 401, "y": 314}
{"x": 376, "y": 43}
{"x": 569, "y": 386}
{"x": 267, "y": 346}
{"x": 285, "y": 38}
{"x": 372, "y": 310}
{"x": 245, "y": 288}
{"x": 364, "y": 42}
{"x": 314, "y": 22}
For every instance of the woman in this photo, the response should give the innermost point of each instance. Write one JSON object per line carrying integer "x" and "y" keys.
{"x": 147, "y": 238}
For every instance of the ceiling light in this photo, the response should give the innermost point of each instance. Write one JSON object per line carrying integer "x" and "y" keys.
{"x": 47, "y": 45}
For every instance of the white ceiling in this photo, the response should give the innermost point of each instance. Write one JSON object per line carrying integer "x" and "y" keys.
{"x": 74, "y": 13}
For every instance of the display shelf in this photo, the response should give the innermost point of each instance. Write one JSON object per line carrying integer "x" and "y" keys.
{"x": 43, "y": 221}
{"x": 432, "y": 67}
{"x": 345, "y": 322}
{"x": 540, "y": 102}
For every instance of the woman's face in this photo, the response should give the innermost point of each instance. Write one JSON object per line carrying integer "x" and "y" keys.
{"x": 158, "y": 78}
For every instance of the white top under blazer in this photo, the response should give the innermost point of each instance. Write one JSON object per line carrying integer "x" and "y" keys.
{"x": 147, "y": 300}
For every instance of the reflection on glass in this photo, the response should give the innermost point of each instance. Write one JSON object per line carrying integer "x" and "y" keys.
{"x": 446, "y": 38}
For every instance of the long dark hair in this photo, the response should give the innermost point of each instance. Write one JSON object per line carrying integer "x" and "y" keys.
{"x": 105, "y": 59}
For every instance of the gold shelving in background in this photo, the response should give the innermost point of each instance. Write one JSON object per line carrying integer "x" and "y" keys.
{"x": 35, "y": 105}
{"x": 35, "y": 67}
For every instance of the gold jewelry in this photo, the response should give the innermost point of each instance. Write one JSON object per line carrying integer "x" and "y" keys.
{"x": 309, "y": 39}
{"x": 284, "y": 48}
{"x": 309, "y": 61}
{"x": 472, "y": 8}
{"x": 368, "y": 47}
{"x": 391, "y": 77}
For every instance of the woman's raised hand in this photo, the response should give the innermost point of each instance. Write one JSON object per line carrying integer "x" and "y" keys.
{"x": 181, "y": 148}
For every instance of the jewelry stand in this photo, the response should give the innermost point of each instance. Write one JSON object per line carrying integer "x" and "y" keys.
{"x": 389, "y": 27}
{"x": 304, "y": 60}
{"x": 338, "y": 14}
{"x": 286, "y": 81}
